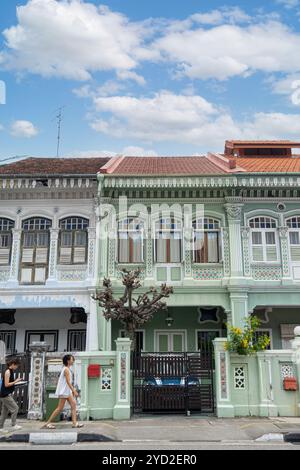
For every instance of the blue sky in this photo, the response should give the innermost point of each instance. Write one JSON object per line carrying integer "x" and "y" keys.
{"x": 139, "y": 77}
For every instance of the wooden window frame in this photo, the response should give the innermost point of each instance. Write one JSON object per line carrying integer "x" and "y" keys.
{"x": 33, "y": 265}
{"x": 73, "y": 233}
{"x": 9, "y": 233}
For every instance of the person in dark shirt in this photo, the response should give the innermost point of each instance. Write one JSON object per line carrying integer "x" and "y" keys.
{"x": 6, "y": 400}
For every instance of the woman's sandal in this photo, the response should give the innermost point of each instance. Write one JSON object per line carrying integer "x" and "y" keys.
{"x": 49, "y": 426}
{"x": 77, "y": 425}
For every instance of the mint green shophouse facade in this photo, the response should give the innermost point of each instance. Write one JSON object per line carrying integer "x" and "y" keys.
{"x": 249, "y": 263}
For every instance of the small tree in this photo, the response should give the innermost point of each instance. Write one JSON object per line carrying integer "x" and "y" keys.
{"x": 132, "y": 312}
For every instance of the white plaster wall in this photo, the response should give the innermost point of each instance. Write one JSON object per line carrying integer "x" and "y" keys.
{"x": 42, "y": 319}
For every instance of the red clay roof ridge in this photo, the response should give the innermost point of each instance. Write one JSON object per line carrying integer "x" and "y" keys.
{"x": 227, "y": 164}
{"x": 112, "y": 164}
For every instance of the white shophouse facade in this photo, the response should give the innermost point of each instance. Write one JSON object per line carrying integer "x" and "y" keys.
{"x": 48, "y": 259}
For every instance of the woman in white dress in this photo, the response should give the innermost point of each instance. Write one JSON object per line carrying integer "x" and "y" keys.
{"x": 65, "y": 391}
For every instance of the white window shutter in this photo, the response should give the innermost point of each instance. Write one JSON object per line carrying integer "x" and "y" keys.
{"x": 27, "y": 255}
{"x": 41, "y": 255}
{"x": 65, "y": 255}
{"x": 271, "y": 253}
{"x": 257, "y": 253}
{"x": 79, "y": 254}
{"x": 26, "y": 274}
{"x": 295, "y": 253}
{"x": 4, "y": 256}
{"x": 40, "y": 275}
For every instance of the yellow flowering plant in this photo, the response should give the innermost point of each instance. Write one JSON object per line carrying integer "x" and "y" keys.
{"x": 245, "y": 341}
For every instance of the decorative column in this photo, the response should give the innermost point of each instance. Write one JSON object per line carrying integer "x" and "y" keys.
{"x": 226, "y": 252}
{"x": 284, "y": 248}
{"x": 239, "y": 307}
{"x": 123, "y": 386}
{"x": 92, "y": 264}
{"x": 149, "y": 257}
{"x": 104, "y": 332}
{"x": 246, "y": 251}
{"x": 234, "y": 212}
{"x": 225, "y": 408}
{"x": 15, "y": 257}
{"x": 53, "y": 255}
{"x": 92, "y": 340}
{"x": 37, "y": 379}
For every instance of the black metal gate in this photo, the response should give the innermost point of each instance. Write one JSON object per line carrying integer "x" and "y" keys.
{"x": 172, "y": 382}
{"x": 21, "y": 392}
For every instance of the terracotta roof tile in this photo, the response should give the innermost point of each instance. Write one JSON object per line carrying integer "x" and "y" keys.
{"x": 54, "y": 166}
{"x": 270, "y": 165}
{"x": 167, "y": 166}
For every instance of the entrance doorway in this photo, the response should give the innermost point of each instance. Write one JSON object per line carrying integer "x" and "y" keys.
{"x": 170, "y": 341}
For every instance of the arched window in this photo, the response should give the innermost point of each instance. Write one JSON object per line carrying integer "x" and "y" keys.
{"x": 207, "y": 241}
{"x": 6, "y": 226}
{"x": 264, "y": 240}
{"x": 168, "y": 240}
{"x": 294, "y": 238}
{"x": 130, "y": 240}
{"x": 35, "y": 250}
{"x": 73, "y": 240}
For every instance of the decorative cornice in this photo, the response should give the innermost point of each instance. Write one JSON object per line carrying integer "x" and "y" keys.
{"x": 228, "y": 181}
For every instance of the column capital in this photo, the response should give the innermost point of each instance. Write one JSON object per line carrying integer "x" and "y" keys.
{"x": 234, "y": 211}
{"x": 283, "y": 231}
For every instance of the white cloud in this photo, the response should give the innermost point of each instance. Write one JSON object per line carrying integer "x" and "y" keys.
{"x": 288, "y": 3}
{"x": 131, "y": 150}
{"x": 230, "y": 50}
{"x": 23, "y": 129}
{"x": 71, "y": 39}
{"x": 185, "y": 119}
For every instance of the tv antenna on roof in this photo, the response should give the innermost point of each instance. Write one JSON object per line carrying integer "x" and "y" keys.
{"x": 59, "y": 118}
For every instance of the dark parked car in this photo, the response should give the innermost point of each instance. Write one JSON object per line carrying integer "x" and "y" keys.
{"x": 168, "y": 393}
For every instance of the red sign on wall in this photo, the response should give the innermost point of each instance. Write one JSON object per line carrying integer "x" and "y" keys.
{"x": 93, "y": 371}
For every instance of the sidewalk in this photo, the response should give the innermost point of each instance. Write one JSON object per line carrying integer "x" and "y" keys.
{"x": 175, "y": 428}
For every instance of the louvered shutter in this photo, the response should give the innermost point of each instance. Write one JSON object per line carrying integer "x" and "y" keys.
{"x": 271, "y": 253}
{"x": 27, "y": 255}
{"x": 295, "y": 252}
{"x": 4, "y": 256}
{"x": 65, "y": 256}
{"x": 79, "y": 254}
{"x": 41, "y": 255}
{"x": 257, "y": 253}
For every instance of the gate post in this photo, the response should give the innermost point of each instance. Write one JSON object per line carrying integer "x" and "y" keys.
{"x": 225, "y": 408}
{"x": 37, "y": 379}
{"x": 123, "y": 388}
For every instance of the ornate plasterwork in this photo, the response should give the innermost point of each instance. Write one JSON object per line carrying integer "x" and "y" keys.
{"x": 263, "y": 182}
{"x": 284, "y": 246}
{"x": 266, "y": 273}
{"x": 245, "y": 232}
{"x": 234, "y": 211}
{"x": 72, "y": 274}
{"x": 4, "y": 273}
{"x": 226, "y": 252}
{"x": 207, "y": 273}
